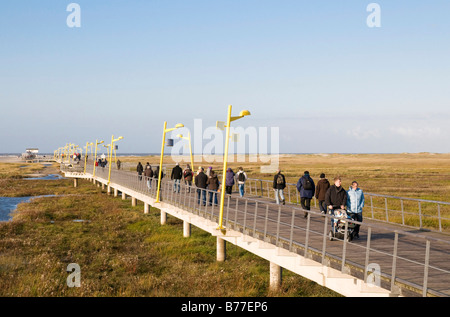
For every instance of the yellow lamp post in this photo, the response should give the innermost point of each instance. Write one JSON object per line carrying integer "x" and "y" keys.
{"x": 85, "y": 155}
{"x": 190, "y": 147}
{"x": 110, "y": 155}
{"x": 67, "y": 151}
{"x": 107, "y": 149}
{"x": 179, "y": 125}
{"x": 95, "y": 155}
{"x": 242, "y": 114}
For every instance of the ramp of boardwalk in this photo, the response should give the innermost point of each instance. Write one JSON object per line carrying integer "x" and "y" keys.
{"x": 387, "y": 260}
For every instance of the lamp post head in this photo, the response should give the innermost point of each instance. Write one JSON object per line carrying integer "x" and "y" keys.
{"x": 179, "y": 125}
{"x": 244, "y": 113}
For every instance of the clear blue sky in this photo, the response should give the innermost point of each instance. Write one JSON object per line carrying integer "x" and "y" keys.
{"x": 312, "y": 68}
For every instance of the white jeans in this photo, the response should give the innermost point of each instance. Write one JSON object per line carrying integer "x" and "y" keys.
{"x": 280, "y": 193}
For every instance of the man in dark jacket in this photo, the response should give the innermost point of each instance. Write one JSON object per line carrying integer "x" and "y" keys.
{"x": 321, "y": 189}
{"x": 200, "y": 182}
{"x": 306, "y": 187}
{"x": 139, "y": 170}
{"x": 279, "y": 183}
{"x": 177, "y": 174}
{"x": 336, "y": 197}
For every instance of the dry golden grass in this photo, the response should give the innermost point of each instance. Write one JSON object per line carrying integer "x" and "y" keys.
{"x": 121, "y": 251}
{"x": 422, "y": 175}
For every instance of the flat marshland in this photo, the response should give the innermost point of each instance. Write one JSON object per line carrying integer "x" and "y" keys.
{"x": 120, "y": 250}
{"x": 123, "y": 252}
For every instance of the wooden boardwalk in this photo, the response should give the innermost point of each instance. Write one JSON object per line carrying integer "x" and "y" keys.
{"x": 410, "y": 262}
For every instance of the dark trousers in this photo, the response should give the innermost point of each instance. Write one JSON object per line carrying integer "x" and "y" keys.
{"x": 228, "y": 189}
{"x": 358, "y": 217}
{"x": 306, "y": 203}
{"x": 211, "y": 194}
{"x": 322, "y": 206}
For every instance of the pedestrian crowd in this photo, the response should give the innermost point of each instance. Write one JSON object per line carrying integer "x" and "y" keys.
{"x": 330, "y": 197}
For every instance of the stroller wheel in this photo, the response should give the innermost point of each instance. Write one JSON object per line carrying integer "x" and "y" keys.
{"x": 330, "y": 235}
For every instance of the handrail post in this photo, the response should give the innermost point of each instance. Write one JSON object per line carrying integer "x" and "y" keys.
{"x": 366, "y": 264}
{"x": 291, "y": 237}
{"x": 344, "y": 248}
{"x": 394, "y": 262}
{"x": 324, "y": 241}
{"x": 307, "y": 234}
{"x": 425, "y": 274}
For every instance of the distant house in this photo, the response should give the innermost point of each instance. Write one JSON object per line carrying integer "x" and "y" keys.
{"x": 30, "y": 153}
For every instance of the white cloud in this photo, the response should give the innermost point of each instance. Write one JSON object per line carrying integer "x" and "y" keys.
{"x": 362, "y": 134}
{"x": 424, "y": 132}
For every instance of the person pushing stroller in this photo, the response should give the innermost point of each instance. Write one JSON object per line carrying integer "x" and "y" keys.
{"x": 336, "y": 198}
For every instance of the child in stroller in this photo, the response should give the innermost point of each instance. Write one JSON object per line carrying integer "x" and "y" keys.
{"x": 338, "y": 226}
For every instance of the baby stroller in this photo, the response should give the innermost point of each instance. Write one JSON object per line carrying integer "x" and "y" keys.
{"x": 338, "y": 226}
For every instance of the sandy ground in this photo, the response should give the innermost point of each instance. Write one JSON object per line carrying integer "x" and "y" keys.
{"x": 11, "y": 159}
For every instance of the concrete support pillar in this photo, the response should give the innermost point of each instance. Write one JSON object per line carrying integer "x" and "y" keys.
{"x": 186, "y": 229}
{"x": 108, "y": 190}
{"x": 103, "y": 186}
{"x": 146, "y": 208}
{"x": 275, "y": 276}
{"x": 221, "y": 249}
{"x": 133, "y": 201}
{"x": 116, "y": 192}
{"x": 124, "y": 196}
{"x": 75, "y": 182}
{"x": 163, "y": 217}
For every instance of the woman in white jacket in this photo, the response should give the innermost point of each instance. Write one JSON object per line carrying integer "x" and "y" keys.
{"x": 355, "y": 204}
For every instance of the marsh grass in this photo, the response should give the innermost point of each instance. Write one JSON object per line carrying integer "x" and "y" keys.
{"x": 121, "y": 251}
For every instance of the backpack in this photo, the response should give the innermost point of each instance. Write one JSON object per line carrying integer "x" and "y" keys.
{"x": 280, "y": 179}
{"x": 241, "y": 177}
{"x": 308, "y": 184}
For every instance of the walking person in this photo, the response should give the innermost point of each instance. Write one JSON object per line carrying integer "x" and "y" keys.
{"x": 188, "y": 175}
{"x": 200, "y": 181}
{"x": 241, "y": 178}
{"x": 336, "y": 197}
{"x": 177, "y": 174}
{"x": 213, "y": 186}
{"x": 279, "y": 183}
{"x": 321, "y": 189}
{"x": 306, "y": 188}
{"x": 148, "y": 173}
{"x": 355, "y": 205}
{"x": 139, "y": 169}
{"x": 229, "y": 181}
